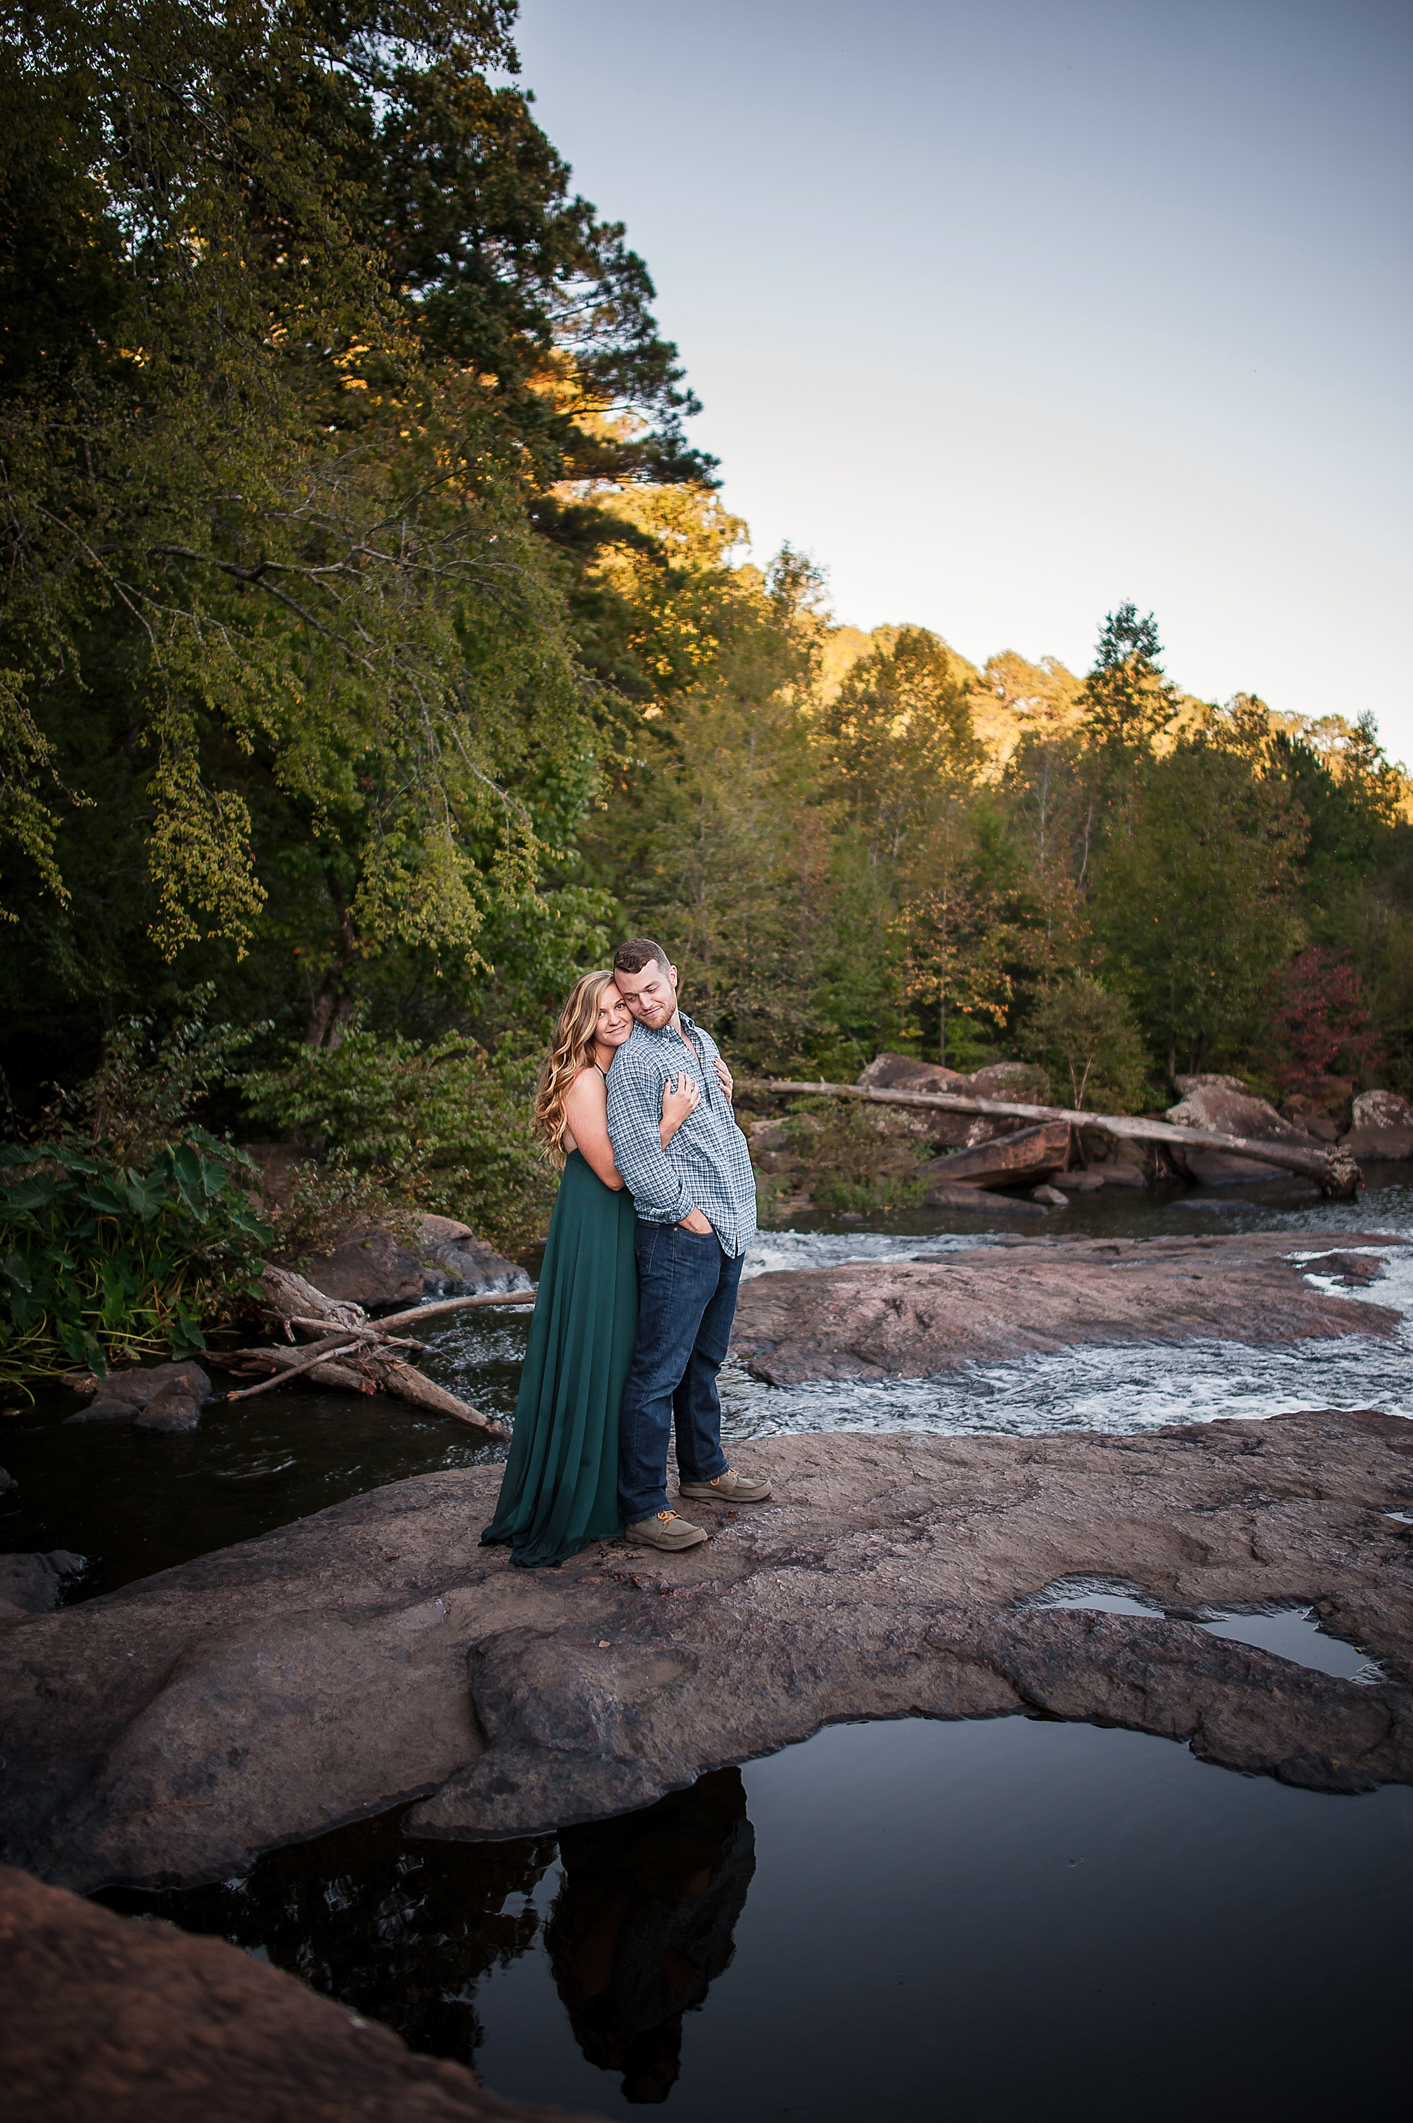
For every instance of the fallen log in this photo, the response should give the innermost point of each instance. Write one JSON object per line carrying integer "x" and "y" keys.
{"x": 307, "y": 1362}
{"x": 373, "y": 1371}
{"x": 1334, "y": 1171}
{"x": 1007, "y": 1160}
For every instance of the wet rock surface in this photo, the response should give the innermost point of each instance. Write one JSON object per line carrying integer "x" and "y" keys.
{"x": 34, "y": 1584}
{"x": 123, "y": 1396}
{"x": 455, "y": 1263}
{"x": 915, "y": 1319}
{"x": 111, "y": 2020}
{"x": 169, "y": 1732}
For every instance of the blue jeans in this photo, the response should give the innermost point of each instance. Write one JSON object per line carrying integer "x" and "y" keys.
{"x": 686, "y": 1304}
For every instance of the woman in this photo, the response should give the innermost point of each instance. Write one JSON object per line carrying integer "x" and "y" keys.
{"x": 560, "y": 1490}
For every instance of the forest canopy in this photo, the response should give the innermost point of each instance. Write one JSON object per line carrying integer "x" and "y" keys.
{"x": 377, "y": 649}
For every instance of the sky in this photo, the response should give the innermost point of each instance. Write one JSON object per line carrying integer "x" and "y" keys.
{"x": 1007, "y": 312}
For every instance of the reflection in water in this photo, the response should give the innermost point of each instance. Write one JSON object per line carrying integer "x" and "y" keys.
{"x": 991, "y": 1921}
{"x": 403, "y": 1931}
{"x": 399, "y": 1931}
{"x": 643, "y": 1924}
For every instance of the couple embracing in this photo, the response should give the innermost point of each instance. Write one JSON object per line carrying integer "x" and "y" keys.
{"x": 638, "y": 1290}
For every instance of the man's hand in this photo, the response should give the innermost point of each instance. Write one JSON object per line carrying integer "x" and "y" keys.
{"x": 695, "y": 1222}
{"x": 724, "y": 1077}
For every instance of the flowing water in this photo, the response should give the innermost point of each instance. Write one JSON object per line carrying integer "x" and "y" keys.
{"x": 1008, "y": 1920}
{"x": 133, "y": 1502}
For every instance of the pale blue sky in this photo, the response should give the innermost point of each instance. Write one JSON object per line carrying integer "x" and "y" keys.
{"x": 1007, "y": 312}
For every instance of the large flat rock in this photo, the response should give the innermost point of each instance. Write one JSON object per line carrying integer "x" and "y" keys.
{"x": 109, "y": 2020}
{"x": 172, "y": 1730}
{"x": 914, "y": 1319}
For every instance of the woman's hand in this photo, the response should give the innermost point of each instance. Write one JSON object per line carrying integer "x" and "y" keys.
{"x": 724, "y": 1077}
{"x": 677, "y": 1104}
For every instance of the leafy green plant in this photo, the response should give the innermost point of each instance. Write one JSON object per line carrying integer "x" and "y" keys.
{"x": 444, "y": 1126}
{"x": 103, "y": 1262}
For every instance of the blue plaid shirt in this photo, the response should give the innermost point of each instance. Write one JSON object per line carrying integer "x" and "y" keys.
{"x": 706, "y": 1165}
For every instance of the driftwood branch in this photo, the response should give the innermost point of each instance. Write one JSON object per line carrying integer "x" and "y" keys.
{"x": 375, "y": 1369}
{"x": 322, "y": 1353}
{"x": 419, "y": 1313}
{"x": 1334, "y": 1171}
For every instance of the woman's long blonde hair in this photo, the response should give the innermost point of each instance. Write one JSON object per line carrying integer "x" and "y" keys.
{"x": 571, "y": 1054}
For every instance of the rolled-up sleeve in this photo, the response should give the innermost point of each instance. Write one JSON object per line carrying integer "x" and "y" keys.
{"x": 634, "y": 1124}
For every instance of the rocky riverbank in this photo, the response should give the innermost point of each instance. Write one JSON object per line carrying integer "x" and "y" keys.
{"x": 375, "y": 1652}
{"x": 915, "y": 1319}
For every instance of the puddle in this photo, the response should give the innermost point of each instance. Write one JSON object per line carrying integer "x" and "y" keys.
{"x": 995, "y": 1921}
{"x": 1290, "y": 1632}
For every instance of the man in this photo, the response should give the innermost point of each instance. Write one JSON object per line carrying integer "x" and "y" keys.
{"x": 696, "y": 1204}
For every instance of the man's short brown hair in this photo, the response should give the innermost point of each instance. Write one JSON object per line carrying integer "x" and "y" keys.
{"x": 632, "y": 957}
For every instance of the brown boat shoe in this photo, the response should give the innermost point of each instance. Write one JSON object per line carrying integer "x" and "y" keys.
{"x": 667, "y": 1530}
{"x": 727, "y": 1488}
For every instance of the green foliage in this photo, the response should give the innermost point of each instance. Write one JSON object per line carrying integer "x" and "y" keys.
{"x": 1193, "y": 901}
{"x": 1086, "y": 1039}
{"x": 1128, "y": 703}
{"x": 105, "y": 1262}
{"x": 301, "y": 317}
{"x": 441, "y": 1126}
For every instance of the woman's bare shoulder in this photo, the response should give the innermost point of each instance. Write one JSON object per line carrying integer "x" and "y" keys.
{"x": 588, "y": 1089}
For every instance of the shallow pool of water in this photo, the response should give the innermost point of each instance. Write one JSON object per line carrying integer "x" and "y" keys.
{"x": 1000, "y": 1921}
{"x": 1292, "y": 1632}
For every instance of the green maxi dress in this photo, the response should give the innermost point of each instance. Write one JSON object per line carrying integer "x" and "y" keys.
{"x": 560, "y": 1490}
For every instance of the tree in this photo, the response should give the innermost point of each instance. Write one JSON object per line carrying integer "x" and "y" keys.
{"x": 1080, "y": 1032}
{"x": 302, "y": 319}
{"x": 1325, "y": 1020}
{"x": 1195, "y": 901}
{"x": 1126, "y": 699}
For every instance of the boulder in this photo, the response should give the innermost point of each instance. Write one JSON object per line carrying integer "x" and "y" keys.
{"x": 113, "y": 2020}
{"x": 1027, "y": 1154}
{"x": 1303, "y": 1112}
{"x": 174, "y": 1409}
{"x": 1051, "y": 1196}
{"x": 941, "y": 1196}
{"x": 1019, "y": 1082}
{"x": 33, "y": 1584}
{"x": 1221, "y": 1105}
{"x": 1076, "y": 1182}
{"x": 369, "y": 1268}
{"x": 1124, "y": 1172}
{"x": 1383, "y": 1127}
{"x": 122, "y": 1395}
{"x": 904, "y": 1072}
{"x": 1188, "y": 1084}
{"x": 455, "y": 1263}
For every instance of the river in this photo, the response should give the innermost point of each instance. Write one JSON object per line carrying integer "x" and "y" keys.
{"x": 1008, "y": 1920}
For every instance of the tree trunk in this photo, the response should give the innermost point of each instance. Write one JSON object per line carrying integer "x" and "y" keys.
{"x": 334, "y": 1005}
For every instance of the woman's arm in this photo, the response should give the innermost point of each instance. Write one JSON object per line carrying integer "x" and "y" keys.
{"x": 676, "y": 1105}
{"x": 585, "y": 1109}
